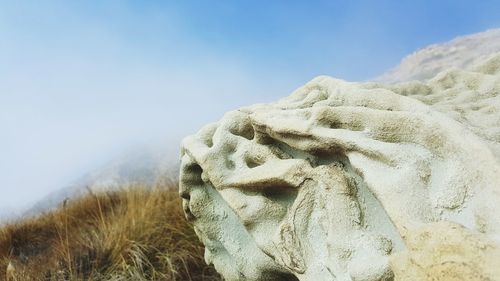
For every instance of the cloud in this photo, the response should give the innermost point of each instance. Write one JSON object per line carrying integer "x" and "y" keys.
{"x": 75, "y": 91}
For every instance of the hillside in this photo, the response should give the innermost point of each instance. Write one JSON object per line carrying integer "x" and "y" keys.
{"x": 135, "y": 233}
{"x": 143, "y": 165}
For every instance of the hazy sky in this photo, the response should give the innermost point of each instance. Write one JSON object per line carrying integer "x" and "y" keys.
{"x": 81, "y": 81}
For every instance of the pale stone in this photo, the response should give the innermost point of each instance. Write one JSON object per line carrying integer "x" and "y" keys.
{"x": 353, "y": 181}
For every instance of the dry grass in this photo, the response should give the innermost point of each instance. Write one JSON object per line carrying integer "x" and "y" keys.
{"x": 132, "y": 234}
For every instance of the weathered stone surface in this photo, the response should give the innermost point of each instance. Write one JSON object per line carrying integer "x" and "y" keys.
{"x": 350, "y": 181}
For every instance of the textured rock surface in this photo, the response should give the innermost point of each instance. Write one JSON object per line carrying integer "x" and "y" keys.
{"x": 353, "y": 181}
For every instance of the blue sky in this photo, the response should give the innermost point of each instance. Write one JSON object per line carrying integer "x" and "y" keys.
{"x": 81, "y": 81}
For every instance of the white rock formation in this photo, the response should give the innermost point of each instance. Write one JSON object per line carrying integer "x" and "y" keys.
{"x": 351, "y": 181}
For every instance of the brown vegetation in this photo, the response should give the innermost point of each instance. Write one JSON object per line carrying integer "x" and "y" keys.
{"x": 131, "y": 234}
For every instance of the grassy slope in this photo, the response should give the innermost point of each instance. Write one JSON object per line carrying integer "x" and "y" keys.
{"x": 132, "y": 234}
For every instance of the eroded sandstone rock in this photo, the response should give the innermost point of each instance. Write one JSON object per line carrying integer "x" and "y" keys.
{"x": 350, "y": 181}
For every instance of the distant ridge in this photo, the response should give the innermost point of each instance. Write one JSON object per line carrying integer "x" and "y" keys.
{"x": 462, "y": 52}
{"x": 145, "y": 165}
